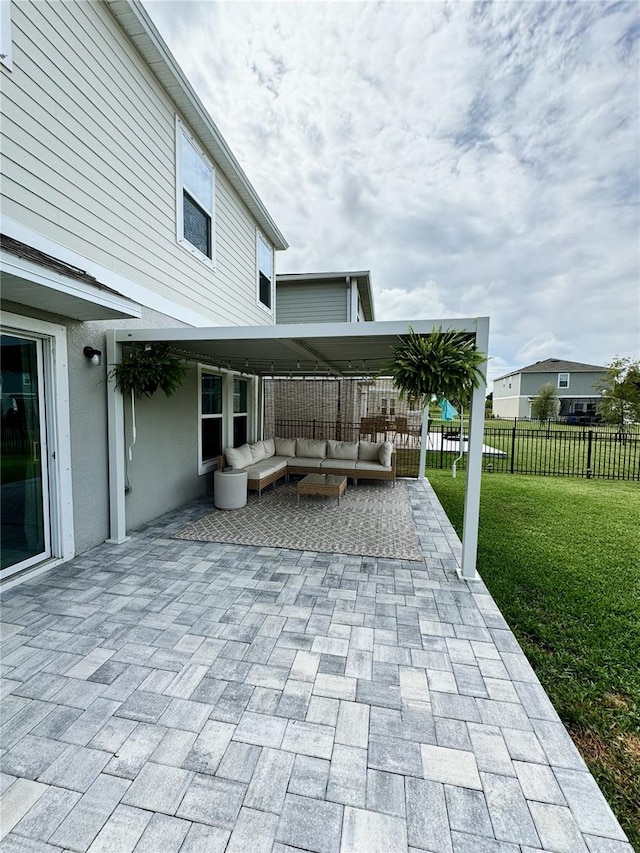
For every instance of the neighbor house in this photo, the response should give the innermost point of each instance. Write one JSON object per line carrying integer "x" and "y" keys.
{"x": 122, "y": 206}
{"x": 575, "y": 385}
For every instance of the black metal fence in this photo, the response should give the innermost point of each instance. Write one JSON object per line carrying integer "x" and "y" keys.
{"x": 547, "y": 449}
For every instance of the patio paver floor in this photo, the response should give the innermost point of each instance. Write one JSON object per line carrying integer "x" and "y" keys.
{"x": 167, "y": 695}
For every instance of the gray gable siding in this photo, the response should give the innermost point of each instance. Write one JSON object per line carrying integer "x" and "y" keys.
{"x": 580, "y": 384}
{"x": 313, "y": 302}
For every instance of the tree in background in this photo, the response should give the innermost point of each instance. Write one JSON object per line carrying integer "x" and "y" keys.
{"x": 546, "y": 405}
{"x": 620, "y": 389}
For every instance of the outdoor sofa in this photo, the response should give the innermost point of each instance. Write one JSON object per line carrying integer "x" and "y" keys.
{"x": 267, "y": 461}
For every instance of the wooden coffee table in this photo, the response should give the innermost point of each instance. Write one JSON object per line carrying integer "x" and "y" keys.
{"x": 328, "y": 485}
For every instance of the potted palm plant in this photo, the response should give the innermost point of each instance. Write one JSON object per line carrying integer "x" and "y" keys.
{"x": 146, "y": 367}
{"x": 444, "y": 364}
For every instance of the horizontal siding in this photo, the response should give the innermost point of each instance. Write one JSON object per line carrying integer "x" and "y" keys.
{"x": 88, "y": 160}
{"x": 579, "y": 383}
{"x": 315, "y": 302}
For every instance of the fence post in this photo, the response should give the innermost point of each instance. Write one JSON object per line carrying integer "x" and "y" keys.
{"x": 589, "y": 449}
{"x": 441, "y": 445}
{"x": 513, "y": 448}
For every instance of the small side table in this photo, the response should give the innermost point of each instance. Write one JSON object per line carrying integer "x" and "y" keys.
{"x": 229, "y": 489}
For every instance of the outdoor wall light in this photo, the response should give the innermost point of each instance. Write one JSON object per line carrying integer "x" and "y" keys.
{"x": 94, "y": 355}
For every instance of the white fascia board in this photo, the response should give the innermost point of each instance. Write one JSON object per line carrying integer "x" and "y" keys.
{"x": 128, "y": 289}
{"x": 288, "y": 331}
{"x": 11, "y": 264}
{"x": 135, "y": 21}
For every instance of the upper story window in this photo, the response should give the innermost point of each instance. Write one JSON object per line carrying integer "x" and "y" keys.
{"x": 264, "y": 254}
{"x": 563, "y": 380}
{"x": 6, "y": 52}
{"x": 195, "y": 177}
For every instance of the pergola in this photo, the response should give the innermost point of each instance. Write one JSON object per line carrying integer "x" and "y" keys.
{"x": 341, "y": 350}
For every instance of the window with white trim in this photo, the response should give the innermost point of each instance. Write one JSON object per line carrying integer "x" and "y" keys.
{"x": 211, "y": 411}
{"x": 195, "y": 193}
{"x": 563, "y": 380}
{"x": 240, "y": 411}
{"x": 264, "y": 272}
{"x": 6, "y": 46}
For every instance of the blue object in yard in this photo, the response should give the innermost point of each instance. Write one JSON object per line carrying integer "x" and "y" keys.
{"x": 448, "y": 411}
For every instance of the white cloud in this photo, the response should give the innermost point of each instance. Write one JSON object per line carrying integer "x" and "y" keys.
{"x": 479, "y": 159}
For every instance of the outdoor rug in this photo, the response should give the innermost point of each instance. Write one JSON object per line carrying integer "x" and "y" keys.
{"x": 373, "y": 520}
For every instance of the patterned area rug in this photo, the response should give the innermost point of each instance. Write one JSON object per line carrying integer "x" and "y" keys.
{"x": 373, "y": 520}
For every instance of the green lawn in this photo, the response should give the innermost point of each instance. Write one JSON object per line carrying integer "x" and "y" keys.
{"x": 562, "y": 560}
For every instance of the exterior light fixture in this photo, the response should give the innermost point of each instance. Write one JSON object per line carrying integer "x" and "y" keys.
{"x": 94, "y": 355}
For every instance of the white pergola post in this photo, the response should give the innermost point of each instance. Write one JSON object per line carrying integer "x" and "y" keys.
{"x": 424, "y": 439}
{"x": 474, "y": 462}
{"x": 115, "y": 424}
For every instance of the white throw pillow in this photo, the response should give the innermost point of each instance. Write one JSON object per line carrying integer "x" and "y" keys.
{"x": 285, "y": 446}
{"x": 342, "y": 449}
{"x": 257, "y": 451}
{"x": 238, "y": 457}
{"x": 269, "y": 448}
{"x": 385, "y": 454}
{"x": 311, "y": 449}
{"x": 369, "y": 451}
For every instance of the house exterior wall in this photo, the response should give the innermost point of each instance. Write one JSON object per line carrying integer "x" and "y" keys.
{"x": 312, "y": 302}
{"x": 164, "y": 470}
{"x": 88, "y": 162}
{"x": 581, "y": 384}
{"x": 507, "y": 402}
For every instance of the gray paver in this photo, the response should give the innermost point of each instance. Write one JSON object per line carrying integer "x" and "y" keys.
{"x": 308, "y": 739}
{"x": 270, "y": 779}
{"x": 76, "y": 768}
{"x": 348, "y": 776}
{"x": 310, "y": 824}
{"x": 510, "y": 816}
{"x": 212, "y": 800}
{"x": 209, "y": 747}
{"x": 163, "y": 833}
{"x": 395, "y": 756}
{"x": 122, "y": 831}
{"x": 239, "y": 762}
{"x": 87, "y": 818}
{"x": 557, "y": 828}
{"x": 373, "y": 832}
{"x": 158, "y": 788}
{"x": 31, "y": 756}
{"x": 254, "y": 830}
{"x": 467, "y": 811}
{"x": 17, "y": 801}
{"x": 453, "y": 766}
{"x": 385, "y": 792}
{"x": 205, "y": 839}
{"x": 309, "y": 777}
{"x": 47, "y": 813}
{"x": 589, "y": 807}
{"x": 427, "y": 821}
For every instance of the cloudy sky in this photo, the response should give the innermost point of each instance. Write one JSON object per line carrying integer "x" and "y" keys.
{"x": 478, "y": 158}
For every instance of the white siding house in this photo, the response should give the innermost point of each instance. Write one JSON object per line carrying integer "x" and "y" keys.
{"x": 122, "y": 205}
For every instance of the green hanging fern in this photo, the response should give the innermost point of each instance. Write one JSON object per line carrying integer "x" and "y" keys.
{"x": 146, "y": 367}
{"x": 443, "y": 363}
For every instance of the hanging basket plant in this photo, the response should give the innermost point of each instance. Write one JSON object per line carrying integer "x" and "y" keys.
{"x": 146, "y": 367}
{"x": 443, "y": 363}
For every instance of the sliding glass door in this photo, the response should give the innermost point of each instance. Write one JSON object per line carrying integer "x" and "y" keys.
{"x": 26, "y": 536}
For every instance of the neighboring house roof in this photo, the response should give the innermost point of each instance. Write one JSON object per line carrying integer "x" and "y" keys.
{"x": 363, "y": 278}
{"x": 134, "y": 20}
{"x": 554, "y": 365}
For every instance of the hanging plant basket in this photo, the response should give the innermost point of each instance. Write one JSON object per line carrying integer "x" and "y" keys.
{"x": 146, "y": 367}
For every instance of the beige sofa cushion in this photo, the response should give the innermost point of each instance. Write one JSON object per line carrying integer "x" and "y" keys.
{"x": 257, "y": 451}
{"x": 385, "y": 454}
{"x": 238, "y": 457}
{"x": 362, "y": 465}
{"x": 328, "y": 465}
{"x": 269, "y": 447}
{"x": 285, "y": 446}
{"x": 311, "y": 449}
{"x": 369, "y": 451}
{"x": 342, "y": 450}
{"x": 261, "y": 469}
{"x": 306, "y": 462}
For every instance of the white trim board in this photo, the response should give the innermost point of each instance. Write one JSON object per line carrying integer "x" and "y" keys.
{"x": 124, "y": 286}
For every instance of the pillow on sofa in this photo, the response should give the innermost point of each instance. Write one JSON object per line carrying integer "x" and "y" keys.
{"x": 238, "y": 457}
{"x": 269, "y": 448}
{"x": 257, "y": 451}
{"x": 310, "y": 448}
{"x": 285, "y": 446}
{"x": 385, "y": 454}
{"x": 342, "y": 449}
{"x": 369, "y": 451}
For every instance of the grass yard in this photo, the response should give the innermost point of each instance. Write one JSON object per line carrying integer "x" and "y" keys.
{"x": 562, "y": 560}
